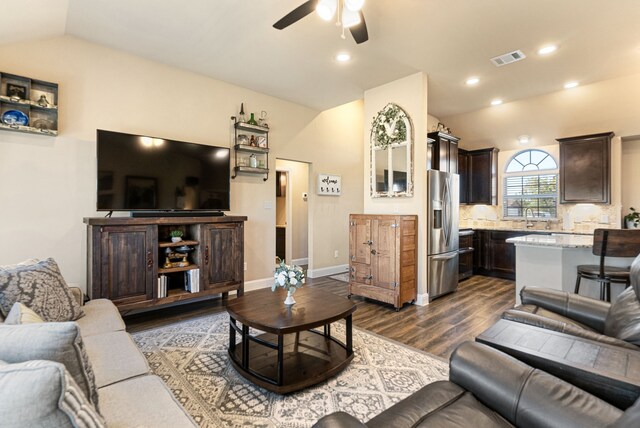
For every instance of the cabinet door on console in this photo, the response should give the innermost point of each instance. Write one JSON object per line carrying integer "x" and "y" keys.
{"x": 383, "y": 269}
{"x": 128, "y": 260}
{"x": 223, "y": 259}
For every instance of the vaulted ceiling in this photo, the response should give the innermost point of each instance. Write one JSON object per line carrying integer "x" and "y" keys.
{"x": 450, "y": 40}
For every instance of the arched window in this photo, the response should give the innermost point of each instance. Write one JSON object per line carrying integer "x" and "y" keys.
{"x": 531, "y": 185}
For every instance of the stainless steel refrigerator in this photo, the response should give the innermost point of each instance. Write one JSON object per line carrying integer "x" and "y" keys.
{"x": 443, "y": 207}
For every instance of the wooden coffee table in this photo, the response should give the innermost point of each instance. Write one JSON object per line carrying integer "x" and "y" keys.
{"x": 289, "y": 356}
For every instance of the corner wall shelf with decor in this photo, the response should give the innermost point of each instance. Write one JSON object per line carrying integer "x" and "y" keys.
{"x": 251, "y": 149}
{"x": 28, "y": 105}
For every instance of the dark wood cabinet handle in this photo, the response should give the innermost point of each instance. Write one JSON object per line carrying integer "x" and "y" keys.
{"x": 149, "y": 260}
{"x": 206, "y": 255}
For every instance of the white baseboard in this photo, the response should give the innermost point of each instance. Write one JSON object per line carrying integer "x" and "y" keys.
{"x": 299, "y": 262}
{"x": 422, "y": 300}
{"x": 331, "y": 270}
{"x": 256, "y": 284}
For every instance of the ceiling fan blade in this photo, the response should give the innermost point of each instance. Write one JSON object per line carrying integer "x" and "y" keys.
{"x": 359, "y": 32}
{"x": 296, "y": 14}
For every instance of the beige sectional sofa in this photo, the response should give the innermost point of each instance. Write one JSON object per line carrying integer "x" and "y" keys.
{"x": 129, "y": 395}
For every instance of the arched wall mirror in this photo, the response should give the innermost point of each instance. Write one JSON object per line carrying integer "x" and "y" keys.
{"x": 391, "y": 153}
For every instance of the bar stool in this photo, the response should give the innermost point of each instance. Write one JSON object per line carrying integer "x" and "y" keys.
{"x": 610, "y": 243}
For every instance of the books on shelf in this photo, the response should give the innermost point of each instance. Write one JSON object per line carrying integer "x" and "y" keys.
{"x": 192, "y": 280}
{"x": 162, "y": 286}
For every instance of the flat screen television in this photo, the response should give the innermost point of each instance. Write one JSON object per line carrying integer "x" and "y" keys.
{"x": 146, "y": 174}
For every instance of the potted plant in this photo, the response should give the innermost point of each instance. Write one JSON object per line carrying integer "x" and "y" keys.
{"x": 176, "y": 235}
{"x": 632, "y": 219}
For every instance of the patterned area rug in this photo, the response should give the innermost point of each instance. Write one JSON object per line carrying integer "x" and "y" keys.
{"x": 191, "y": 357}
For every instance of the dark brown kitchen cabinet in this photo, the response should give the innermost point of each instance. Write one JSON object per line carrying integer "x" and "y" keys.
{"x": 442, "y": 152}
{"x": 463, "y": 170}
{"x": 482, "y": 176}
{"x": 585, "y": 169}
{"x": 465, "y": 253}
{"x": 493, "y": 256}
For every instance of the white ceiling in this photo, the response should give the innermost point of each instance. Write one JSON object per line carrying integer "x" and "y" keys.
{"x": 450, "y": 40}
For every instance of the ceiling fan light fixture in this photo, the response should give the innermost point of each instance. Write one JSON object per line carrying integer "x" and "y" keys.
{"x": 326, "y": 9}
{"x": 350, "y": 18}
{"x": 354, "y": 5}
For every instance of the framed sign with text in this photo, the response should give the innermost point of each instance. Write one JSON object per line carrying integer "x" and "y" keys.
{"x": 329, "y": 185}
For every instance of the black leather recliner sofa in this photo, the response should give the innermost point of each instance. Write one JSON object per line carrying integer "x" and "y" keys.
{"x": 616, "y": 324}
{"x": 488, "y": 388}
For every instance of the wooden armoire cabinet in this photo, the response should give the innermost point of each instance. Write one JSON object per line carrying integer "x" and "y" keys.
{"x": 128, "y": 259}
{"x": 383, "y": 257}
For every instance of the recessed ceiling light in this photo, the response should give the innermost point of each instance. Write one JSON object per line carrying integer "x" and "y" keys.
{"x": 570, "y": 85}
{"x": 524, "y": 139}
{"x": 496, "y": 102}
{"x": 343, "y": 57}
{"x": 546, "y": 50}
{"x": 472, "y": 81}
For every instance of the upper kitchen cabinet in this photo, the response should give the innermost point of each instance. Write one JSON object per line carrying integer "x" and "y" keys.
{"x": 585, "y": 169}
{"x": 481, "y": 177}
{"x": 463, "y": 170}
{"x": 442, "y": 152}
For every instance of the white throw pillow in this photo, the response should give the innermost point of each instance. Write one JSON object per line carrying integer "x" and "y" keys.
{"x": 43, "y": 394}
{"x": 20, "y": 314}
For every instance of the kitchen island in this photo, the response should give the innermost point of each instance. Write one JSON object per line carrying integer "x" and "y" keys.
{"x": 551, "y": 261}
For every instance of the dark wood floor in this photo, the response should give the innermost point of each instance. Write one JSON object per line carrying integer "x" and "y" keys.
{"x": 437, "y": 328}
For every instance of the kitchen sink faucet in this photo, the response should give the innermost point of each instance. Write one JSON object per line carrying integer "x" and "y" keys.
{"x": 528, "y": 223}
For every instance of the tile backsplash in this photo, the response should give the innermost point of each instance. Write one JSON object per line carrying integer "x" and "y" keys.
{"x": 578, "y": 218}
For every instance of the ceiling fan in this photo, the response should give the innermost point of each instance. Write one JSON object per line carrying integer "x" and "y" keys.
{"x": 348, "y": 12}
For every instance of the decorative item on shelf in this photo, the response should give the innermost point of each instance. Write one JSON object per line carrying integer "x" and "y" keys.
{"x": 252, "y": 120}
{"x": 16, "y": 92}
{"x": 253, "y": 161}
{"x": 632, "y": 220}
{"x": 43, "y": 101}
{"x": 440, "y": 128}
{"x": 176, "y": 235}
{"x": 329, "y": 185}
{"x": 389, "y": 126}
{"x": 15, "y": 117}
{"x": 176, "y": 259}
{"x": 241, "y": 116}
{"x": 243, "y": 139}
{"x": 263, "y": 119}
{"x": 260, "y": 164}
{"x": 252, "y": 141}
{"x": 185, "y": 249}
{"x": 262, "y": 141}
{"x": 290, "y": 278}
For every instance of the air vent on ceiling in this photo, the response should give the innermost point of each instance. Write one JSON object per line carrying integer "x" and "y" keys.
{"x": 508, "y": 58}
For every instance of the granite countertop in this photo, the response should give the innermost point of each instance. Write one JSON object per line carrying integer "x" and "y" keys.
{"x": 553, "y": 240}
{"x": 532, "y": 231}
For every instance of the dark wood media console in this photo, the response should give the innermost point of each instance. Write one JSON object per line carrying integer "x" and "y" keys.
{"x": 126, "y": 256}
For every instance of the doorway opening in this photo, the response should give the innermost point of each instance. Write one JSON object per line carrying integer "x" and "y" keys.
{"x": 292, "y": 212}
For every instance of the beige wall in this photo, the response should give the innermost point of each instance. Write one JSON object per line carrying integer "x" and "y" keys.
{"x": 611, "y": 105}
{"x": 298, "y": 224}
{"x": 630, "y": 174}
{"x": 48, "y": 184}
{"x": 410, "y": 93}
